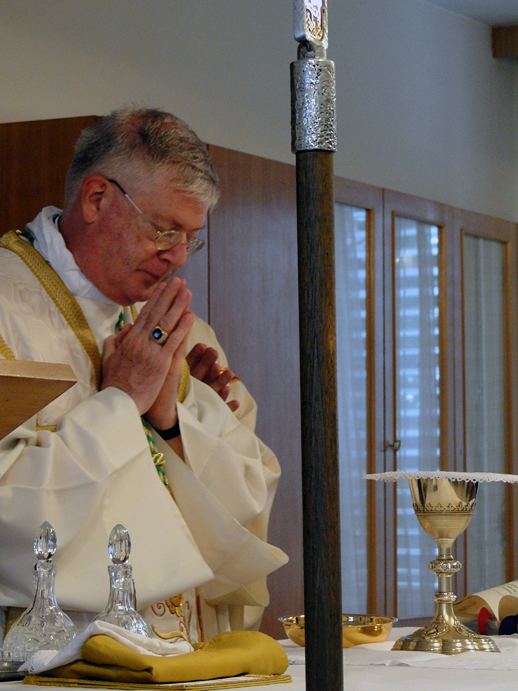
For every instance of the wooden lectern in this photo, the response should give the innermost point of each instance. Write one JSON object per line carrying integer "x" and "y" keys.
{"x": 27, "y": 387}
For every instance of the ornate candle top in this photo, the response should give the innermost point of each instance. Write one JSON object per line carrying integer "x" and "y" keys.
{"x": 395, "y": 476}
{"x": 310, "y": 21}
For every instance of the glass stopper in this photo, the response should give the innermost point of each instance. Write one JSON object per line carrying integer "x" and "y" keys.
{"x": 46, "y": 543}
{"x": 119, "y": 545}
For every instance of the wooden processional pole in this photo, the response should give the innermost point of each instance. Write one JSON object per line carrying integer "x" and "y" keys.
{"x": 314, "y": 142}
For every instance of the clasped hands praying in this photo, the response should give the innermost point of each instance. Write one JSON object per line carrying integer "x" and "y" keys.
{"x": 149, "y": 371}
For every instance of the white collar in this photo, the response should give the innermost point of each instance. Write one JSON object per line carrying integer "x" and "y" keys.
{"x": 50, "y": 244}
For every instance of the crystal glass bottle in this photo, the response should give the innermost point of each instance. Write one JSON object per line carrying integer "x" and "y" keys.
{"x": 44, "y": 625}
{"x": 121, "y": 607}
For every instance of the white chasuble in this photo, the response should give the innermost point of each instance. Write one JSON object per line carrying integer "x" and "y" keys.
{"x": 206, "y": 538}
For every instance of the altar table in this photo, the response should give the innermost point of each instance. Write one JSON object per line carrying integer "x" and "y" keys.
{"x": 371, "y": 677}
{"x": 374, "y": 679}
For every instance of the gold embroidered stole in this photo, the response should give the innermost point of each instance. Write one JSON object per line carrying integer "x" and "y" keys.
{"x": 68, "y": 305}
{"x": 70, "y": 309}
{"x": 5, "y": 351}
{"x": 62, "y": 298}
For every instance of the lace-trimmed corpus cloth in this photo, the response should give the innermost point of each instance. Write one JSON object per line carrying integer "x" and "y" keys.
{"x": 395, "y": 476}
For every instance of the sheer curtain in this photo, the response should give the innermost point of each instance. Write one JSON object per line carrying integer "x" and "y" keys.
{"x": 417, "y": 403}
{"x": 485, "y": 405}
{"x": 351, "y": 323}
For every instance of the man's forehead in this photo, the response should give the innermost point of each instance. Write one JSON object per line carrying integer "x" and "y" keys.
{"x": 180, "y": 206}
{"x": 168, "y": 187}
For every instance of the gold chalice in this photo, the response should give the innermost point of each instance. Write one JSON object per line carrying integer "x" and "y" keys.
{"x": 444, "y": 508}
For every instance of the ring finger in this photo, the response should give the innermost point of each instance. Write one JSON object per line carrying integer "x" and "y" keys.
{"x": 169, "y": 305}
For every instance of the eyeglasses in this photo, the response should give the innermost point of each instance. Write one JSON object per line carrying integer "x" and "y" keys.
{"x": 165, "y": 239}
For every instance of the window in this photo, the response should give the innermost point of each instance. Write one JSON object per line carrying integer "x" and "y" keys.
{"x": 417, "y": 382}
{"x": 488, "y": 254}
{"x": 426, "y": 379}
{"x": 351, "y": 229}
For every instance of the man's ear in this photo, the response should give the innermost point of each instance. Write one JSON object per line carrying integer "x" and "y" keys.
{"x": 94, "y": 189}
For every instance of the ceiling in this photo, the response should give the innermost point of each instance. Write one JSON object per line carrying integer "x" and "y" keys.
{"x": 492, "y": 12}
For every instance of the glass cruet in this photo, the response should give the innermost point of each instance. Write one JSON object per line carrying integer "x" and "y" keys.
{"x": 122, "y": 603}
{"x": 44, "y": 625}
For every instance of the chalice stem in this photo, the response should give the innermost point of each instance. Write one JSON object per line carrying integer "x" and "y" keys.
{"x": 444, "y": 567}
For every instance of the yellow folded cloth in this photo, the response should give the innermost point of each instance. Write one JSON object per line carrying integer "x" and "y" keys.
{"x": 226, "y": 655}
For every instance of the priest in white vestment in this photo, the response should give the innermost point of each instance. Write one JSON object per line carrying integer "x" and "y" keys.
{"x": 139, "y": 440}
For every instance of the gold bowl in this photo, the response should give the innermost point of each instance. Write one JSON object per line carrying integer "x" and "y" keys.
{"x": 356, "y": 628}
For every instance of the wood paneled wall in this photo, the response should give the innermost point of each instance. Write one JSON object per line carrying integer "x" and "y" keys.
{"x": 253, "y": 306}
{"x": 34, "y": 157}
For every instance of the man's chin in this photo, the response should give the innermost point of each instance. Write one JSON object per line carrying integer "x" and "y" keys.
{"x": 145, "y": 290}
{"x": 143, "y": 294}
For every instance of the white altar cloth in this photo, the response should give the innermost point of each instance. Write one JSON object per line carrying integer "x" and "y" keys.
{"x": 382, "y": 655}
{"x": 374, "y": 667}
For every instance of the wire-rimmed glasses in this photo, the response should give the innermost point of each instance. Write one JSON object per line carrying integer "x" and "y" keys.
{"x": 165, "y": 239}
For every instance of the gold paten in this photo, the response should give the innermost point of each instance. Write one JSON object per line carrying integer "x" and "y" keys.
{"x": 444, "y": 508}
{"x": 356, "y": 629}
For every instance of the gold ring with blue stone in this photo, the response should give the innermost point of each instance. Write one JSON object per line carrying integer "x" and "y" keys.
{"x": 159, "y": 335}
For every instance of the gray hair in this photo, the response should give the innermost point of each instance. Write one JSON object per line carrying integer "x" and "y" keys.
{"x": 140, "y": 143}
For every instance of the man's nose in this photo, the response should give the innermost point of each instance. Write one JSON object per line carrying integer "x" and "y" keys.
{"x": 177, "y": 254}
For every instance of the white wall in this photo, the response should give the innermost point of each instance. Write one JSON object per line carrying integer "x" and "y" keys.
{"x": 422, "y": 105}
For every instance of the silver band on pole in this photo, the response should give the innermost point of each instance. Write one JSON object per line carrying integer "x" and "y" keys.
{"x": 313, "y": 115}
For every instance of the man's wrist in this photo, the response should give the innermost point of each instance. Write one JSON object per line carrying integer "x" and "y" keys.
{"x": 171, "y": 432}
